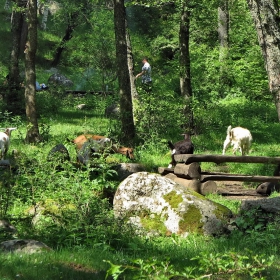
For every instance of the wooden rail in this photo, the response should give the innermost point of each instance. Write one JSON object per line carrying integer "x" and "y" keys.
{"x": 221, "y": 159}
{"x": 81, "y": 93}
{"x": 188, "y": 172}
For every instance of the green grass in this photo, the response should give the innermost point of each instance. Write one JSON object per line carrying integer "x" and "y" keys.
{"x": 78, "y": 221}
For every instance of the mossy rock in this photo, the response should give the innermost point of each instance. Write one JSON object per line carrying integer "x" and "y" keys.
{"x": 159, "y": 206}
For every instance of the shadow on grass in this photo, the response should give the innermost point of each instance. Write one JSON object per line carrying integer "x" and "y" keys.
{"x": 33, "y": 268}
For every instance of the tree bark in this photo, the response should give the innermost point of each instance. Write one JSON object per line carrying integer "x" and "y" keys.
{"x": 32, "y": 134}
{"x": 266, "y": 18}
{"x": 223, "y": 29}
{"x": 14, "y": 96}
{"x": 72, "y": 24}
{"x": 126, "y": 113}
{"x": 134, "y": 93}
{"x": 184, "y": 62}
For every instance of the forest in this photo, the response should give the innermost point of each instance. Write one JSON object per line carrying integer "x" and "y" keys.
{"x": 214, "y": 64}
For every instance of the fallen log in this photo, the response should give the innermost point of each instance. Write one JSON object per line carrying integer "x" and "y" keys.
{"x": 188, "y": 171}
{"x": 193, "y": 184}
{"x": 208, "y": 187}
{"x": 187, "y": 159}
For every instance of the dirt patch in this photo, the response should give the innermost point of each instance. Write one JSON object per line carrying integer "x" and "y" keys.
{"x": 237, "y": 190}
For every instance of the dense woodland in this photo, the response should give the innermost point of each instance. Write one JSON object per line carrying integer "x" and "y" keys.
{"x": 214, "y": 64}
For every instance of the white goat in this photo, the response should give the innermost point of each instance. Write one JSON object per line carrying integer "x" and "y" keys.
{"x": 240, "y": 138}
{"x": 5, "y": 141}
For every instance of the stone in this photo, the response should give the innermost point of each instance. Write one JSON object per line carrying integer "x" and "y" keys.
{"x": 27, "y": 246}
{"x": 112, "y": 110}
{"x": 267, "y": 188}
{"x": 125, "y": 169}
{"x": 59, "y": 80}
{"x": 5, "y": 226}
{"x": 58, "y": 153}
{"x": 268, "y": 205}
{"x": 156, "y": 205}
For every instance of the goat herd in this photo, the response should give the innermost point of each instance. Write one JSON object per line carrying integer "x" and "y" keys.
{"x": 240, "y": 138}
{"x": 88, "y": 145}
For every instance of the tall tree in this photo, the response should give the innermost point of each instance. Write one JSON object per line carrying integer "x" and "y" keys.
{"x": 266, "y": 18}
{"x": 126, "y": 113}
{"x": 184, "y": 63}
{"x": 13, "y": 97}
{"x": 223, "y": 28}
{"x": 32, "y": 134}
{"x": 72, "y": 24}
{"x": 223, "y": 32}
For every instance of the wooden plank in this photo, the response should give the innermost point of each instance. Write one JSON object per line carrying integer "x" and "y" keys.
{"x": 187, "y": 159}
{"x": 234, "y": 177}
{"x": 84, "y": 92}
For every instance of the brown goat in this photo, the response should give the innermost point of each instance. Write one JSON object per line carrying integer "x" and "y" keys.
{"x": 128, "y": 152}
{"x": 81, "y": 139}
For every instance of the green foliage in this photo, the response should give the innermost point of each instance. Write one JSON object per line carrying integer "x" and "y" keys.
{"x": 230, "y": 264}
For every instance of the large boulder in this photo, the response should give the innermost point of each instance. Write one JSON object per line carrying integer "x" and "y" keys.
{"x": 159, "y": 206}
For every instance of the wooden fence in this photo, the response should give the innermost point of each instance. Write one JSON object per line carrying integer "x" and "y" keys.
{"x": 188, "y": 171}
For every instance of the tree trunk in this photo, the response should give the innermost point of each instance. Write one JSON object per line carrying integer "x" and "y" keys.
{"x": 223, "y": 32}
{"x": 126, "y": 114}
{"x": 266, "y": 18}
{"x": 72, "y": 24}
{"x": 223, "y": 28}
{"x": 14, "y": 96}
{"x": 32, "y": 134}
{"x": 134, "y": 93}
{"x": 185, "y": 68}
{"x": 45, "y": 15}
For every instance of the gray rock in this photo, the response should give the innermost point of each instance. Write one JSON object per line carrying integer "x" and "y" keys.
{"x": 126, "y": 169}
{"x": 27, "y": 246}
{"x": 7, "y": 227}
{"x": 60, "y": 80}
{"x": 268, "y": 205}
{"x": 112, "y": 111}
{"x": 267, "y": 188}
{"x": 156, "y": 205}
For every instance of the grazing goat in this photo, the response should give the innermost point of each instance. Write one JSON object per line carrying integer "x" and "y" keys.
{"x": 128, "y": 152}
{"x": 240, "y": 138}
{"x": 81, "y": 139}
{"x": 102, "y": 140}
{"x": 182, "y": 147}
{"x": 5, "y": 138}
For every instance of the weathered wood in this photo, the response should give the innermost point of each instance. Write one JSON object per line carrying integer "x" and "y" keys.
{"x": 193, "y": 184}
{"x": 164, "y": 170}
{"x": 234, "y": 177}
{"x": 208, "y": 187}
{"x": 84, "y": 92}
{"x": 188, "y": 171}
{"x": 244, "y": 192}
{"x": 187, "y": 158}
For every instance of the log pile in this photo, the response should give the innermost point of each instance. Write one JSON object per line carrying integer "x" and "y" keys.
{"x": 189, "y": 176}
{"x": 187, "y": 171}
